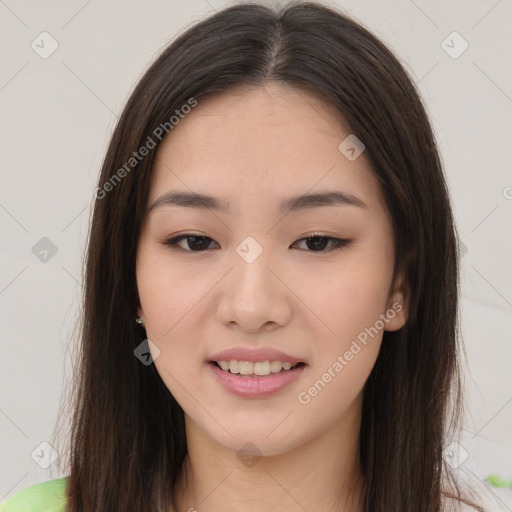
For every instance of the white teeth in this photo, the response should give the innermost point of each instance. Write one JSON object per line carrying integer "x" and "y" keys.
{"x": 275, "y": 366}
{"x": 244, "y": 367}
{"x": 261, "y": 368}
{"x": 224, "y": 365}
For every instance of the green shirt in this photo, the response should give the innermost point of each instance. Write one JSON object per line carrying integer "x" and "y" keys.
{"x": 51, "y": 497}
{"x": 43, "y": 497}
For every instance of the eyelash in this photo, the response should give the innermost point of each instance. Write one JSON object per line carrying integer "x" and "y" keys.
{"x": 338, "y": 243}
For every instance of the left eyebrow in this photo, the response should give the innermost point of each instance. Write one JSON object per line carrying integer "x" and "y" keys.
{"x": 291, "y": 204}
{"x": 329, "y": 198}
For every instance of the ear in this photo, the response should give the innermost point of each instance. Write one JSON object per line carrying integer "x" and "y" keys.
{"x": 397, "y": 309}
{"x": 140, "y": 312}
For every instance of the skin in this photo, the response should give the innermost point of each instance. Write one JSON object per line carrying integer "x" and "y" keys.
{"x": 254, "y": 147}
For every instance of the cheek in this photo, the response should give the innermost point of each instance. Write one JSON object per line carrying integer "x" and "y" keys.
{"x": 167, "y": 297}
{"x": 167, "y": 292}
{"x": 349, "y": 302}
{"x": 350, "y": 305}
{"x": 347, "y": 343}
{"x": 170, "y": 296}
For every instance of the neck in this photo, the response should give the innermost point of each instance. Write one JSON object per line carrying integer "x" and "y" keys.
{"x": 322, "y": 474}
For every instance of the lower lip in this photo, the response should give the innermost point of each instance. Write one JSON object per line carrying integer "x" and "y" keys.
{"x": 256, "y": 387}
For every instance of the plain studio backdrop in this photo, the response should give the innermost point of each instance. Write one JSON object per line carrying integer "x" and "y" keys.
{"x": 67, "y": 69}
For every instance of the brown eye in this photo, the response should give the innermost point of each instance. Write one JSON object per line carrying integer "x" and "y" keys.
{"x": 195, "y": 243}
{"x": 318, "y": 243}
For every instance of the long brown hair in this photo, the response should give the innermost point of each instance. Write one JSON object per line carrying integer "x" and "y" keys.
{"x": 127, "y": 440}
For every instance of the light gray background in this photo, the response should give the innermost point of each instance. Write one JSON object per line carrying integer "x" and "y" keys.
{"x": 57, "y": 116}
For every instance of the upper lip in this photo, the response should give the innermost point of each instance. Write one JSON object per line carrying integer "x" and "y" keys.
{"x": 255, "y": 355}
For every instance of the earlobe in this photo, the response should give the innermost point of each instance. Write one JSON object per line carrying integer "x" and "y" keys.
{"x": 397, "y": 310}
{"x": 140, "y": 312}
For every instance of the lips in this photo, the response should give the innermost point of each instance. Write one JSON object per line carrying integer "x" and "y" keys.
{"x": 252, "y": 386}
{"x": 254, "y": 355}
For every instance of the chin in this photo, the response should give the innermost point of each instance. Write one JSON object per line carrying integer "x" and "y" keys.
{"x": 256, "y": 443}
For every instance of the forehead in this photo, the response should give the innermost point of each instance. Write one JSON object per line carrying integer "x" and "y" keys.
{"x": 271, "y": 141}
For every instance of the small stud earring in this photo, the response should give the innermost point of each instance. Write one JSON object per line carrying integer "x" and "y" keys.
{"x": 139, "y": 320}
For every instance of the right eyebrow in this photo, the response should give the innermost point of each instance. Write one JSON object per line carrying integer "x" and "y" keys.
{"x": 190, "y": 200}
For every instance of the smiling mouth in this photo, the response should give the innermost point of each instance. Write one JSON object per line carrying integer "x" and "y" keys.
{"x": 259, "y": 369}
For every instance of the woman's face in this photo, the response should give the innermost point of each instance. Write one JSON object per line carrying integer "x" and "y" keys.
{"x": 252, "y": 281}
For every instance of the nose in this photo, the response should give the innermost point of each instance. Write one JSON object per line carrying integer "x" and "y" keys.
{"x": 254, "y": 296}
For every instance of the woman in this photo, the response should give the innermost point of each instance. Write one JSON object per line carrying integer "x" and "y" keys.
{"x": 271, "y": 293}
